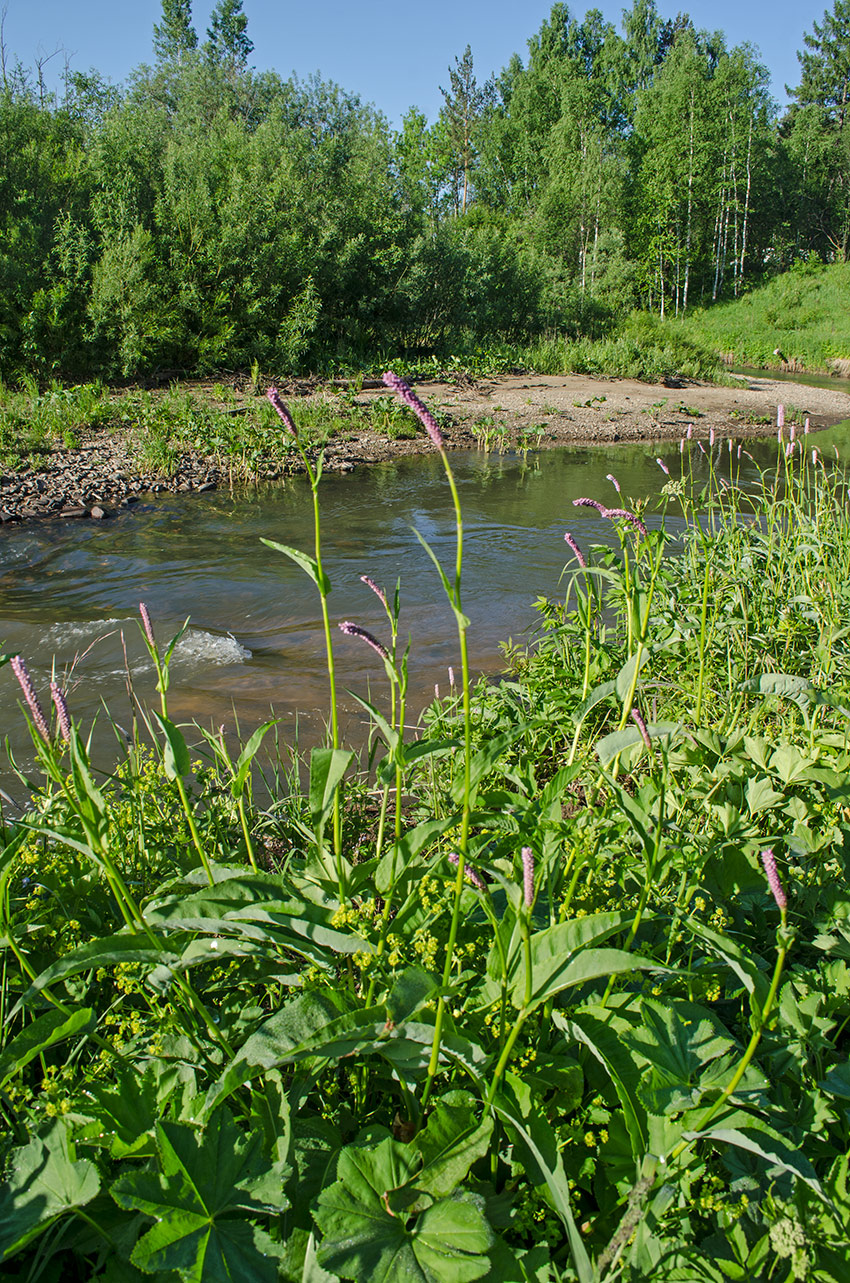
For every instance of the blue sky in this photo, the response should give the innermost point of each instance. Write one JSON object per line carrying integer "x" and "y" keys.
{"x": 394, "y": 54}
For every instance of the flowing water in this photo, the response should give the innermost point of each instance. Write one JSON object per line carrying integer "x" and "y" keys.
{"x": 69, "y": 594}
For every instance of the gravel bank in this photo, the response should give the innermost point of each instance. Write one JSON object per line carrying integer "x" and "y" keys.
{"x": 99, "y": 476}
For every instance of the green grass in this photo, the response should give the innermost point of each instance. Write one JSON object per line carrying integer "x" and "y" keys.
{"x": 805, "y": 313}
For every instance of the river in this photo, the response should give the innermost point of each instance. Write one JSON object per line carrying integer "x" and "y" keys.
{"x": 69, "y": 594}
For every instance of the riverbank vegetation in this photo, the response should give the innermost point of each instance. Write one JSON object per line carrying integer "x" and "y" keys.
{"x": 204, "y": 216}
{"x": 556, "y": 989}
{"x": 793, "y": 321}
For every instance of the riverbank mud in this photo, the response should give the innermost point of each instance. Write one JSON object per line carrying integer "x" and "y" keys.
{"x": 534, "y": 412}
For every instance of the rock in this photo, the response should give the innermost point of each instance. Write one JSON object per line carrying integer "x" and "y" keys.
{"x": 97, "y": 513}
{"x": 207, "y": 485}
{"x": 74, "y": 513}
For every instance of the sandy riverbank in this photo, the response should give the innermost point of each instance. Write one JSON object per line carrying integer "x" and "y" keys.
{"x": 538, "y": 411}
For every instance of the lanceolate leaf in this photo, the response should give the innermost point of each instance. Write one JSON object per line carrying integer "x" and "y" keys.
{"x": 599, "y": 1030}
{"x": 175, "y": 758}
{"x": 308, "y": 564}
{"x": 327, "y": 768}
{"x": 544, "y": 1165}
{"x": 47, "y": 1029}
{"x": 769, "y": 1145}
{"x": 562, "y": 957}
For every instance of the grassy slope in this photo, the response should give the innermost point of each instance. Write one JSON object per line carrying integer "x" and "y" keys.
{"x": 805, "y": 313}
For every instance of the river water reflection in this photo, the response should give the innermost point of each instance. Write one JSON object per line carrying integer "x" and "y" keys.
{"x": 69, "y": 594}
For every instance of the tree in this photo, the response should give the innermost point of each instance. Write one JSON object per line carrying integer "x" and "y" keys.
{"x": 825, "y": 64}
{"x": 460, "y": 113}
{"x": 818, "y": 131}
{"x": 174, "y": 37}
{"x": 227, "y": 38}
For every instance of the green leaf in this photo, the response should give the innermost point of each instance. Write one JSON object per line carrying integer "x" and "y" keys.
{"x": 106, "y": 952}
{"x": 761, "y": 795}
{"x": 618, "y": 741}
{"x": 205, "y": 1179}
{"x": 44, "y": 1032}
{"x": 767, "y": 1144}
{"x": 175, "y": 756}
{"x": 626, "y": 675}
{"x": 246, "y": 757}
{"x": 453, "y": 1139}
{"x": 599, "y": 1030}
{"x": 561, "y": 957}
{"x": 127, "y": 1113}
{"x": 544, "y": 1165}
{"x": 308, "y": 564}
{"x": 46, "y": 1179}
{"x": 327, "y": 768}
{"x": 363, "y": 1239}
{"x": 409, "y": 847}
{"x": 678, "y": 1040}
{"x": 311, "y": 1025}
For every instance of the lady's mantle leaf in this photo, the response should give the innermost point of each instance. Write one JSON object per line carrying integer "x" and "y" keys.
{"x": 206, "y": 1179}
{"x": 363, "y": 1239}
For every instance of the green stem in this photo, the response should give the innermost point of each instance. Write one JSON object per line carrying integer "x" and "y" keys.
{"x": 760, "y": 1022}
{"x": 462, "y": 626}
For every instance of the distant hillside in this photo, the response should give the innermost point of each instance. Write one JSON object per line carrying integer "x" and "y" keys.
{"x": 803, "y": 314}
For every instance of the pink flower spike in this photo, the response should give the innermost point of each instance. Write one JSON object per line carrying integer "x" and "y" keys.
{"x": 20, "y": 670}
{"x": 146, "y": 623}
{"x": 729, "y": 444}
{"x": 571, "y": 543}
{"x": 62, "y": 713}
{"x": 711, "y": 438}
{"x": 789, "y": 449}
{"x": 768, "y": 859}
{"x": 591, "y": 503}
{"x": 354, "y": 630}
{"x": 379, "y": 592}
{"x": 793, "y": 432}
{"x": 424, "y": 415}
{"x": 528, "y": 876}
{"x": 283, "y": 411}
{"x": 806, "y": 427}
{"x": 690, "y": 431}
{"x": 451, "y": 677}
{"x": 780, "y": 416}
{"x": 701, "y": 446}
{"x": 682, "y": 446}
{"x": 815, "y": 457}
{"x": 637, "y": 718}
{"x": 663, "y": 466}
{"x": 468, "y": 873}
{"x": 627, "y": 516}
{"x": 614, "y": 482}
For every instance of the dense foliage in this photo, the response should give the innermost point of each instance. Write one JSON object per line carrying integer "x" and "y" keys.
{"x": 557, "y": 991}
{"x": 205, "y": 216}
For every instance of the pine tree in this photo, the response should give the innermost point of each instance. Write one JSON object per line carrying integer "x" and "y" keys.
{"x": 174, "y": 37}
{"x": 227, "y": 39}
{"x": 460, "y": 113}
